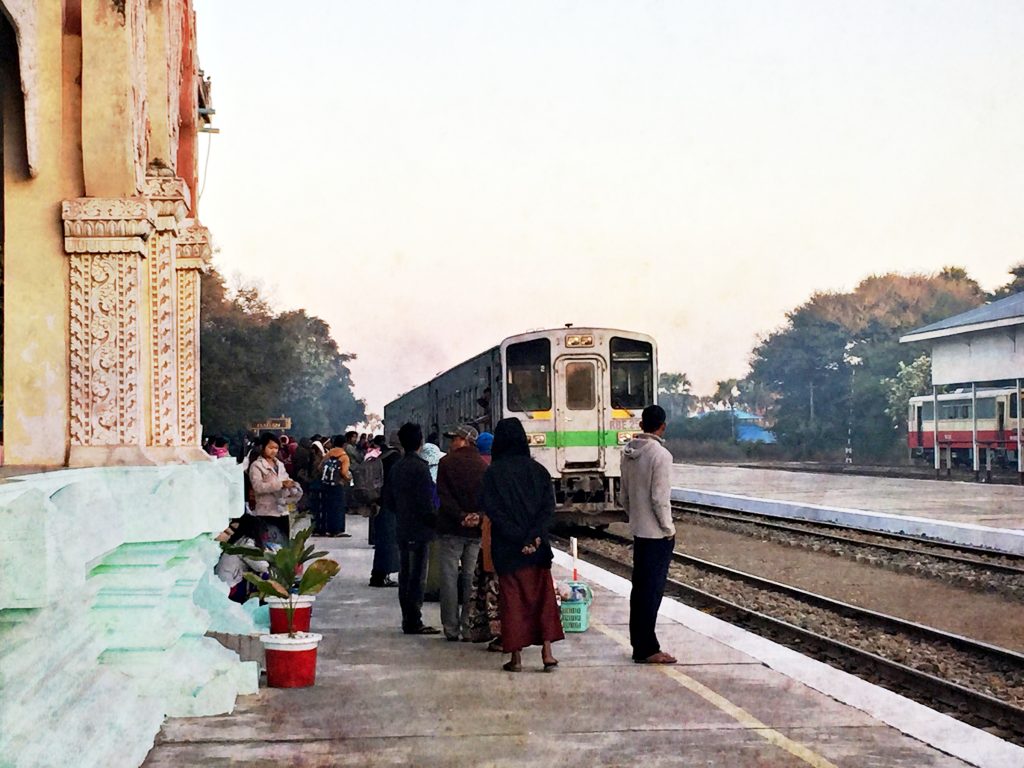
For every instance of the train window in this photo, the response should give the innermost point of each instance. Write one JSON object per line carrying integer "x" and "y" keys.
{"x": 632, "y": 372}
{"x": 580, "y": 389}
{"x": 928, "y": 411}
{"x": 1013, "y": 406}
{"x": 957, "y": 409}
{"x": 987, "y": 408}
{"x": 528, "y": 375}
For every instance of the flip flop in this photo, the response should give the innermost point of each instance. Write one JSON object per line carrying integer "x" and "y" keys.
{"x": 549, "y": 666}
{"x": 508, "y": 666}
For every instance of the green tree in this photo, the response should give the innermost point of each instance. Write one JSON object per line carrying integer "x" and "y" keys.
{"x": 754, "y": 396}
{"x": 825, "y": 367}
{"x": 713, "y": 427}
{"x": 317, "y": 391}
{"x": 674, "y": 394}
{"x": 726, "y": 391}
{"x": 674, "y": 383}
{"x": 1016, "y": 284}
{"x": 241, "y": 354}
{"x": 910, "y": 380}
{"x": 256, "y": 364}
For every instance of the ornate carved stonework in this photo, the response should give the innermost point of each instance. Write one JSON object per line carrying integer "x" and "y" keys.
{"x": 106, "y": 225}
{"x": 194, "y": 250}
{"x": 106, "y": 240}
{"x": 193, "y": 257}
{"x": 169, "y": 196}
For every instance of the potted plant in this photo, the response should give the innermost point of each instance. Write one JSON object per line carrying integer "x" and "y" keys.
{"x": 290, "y": 648}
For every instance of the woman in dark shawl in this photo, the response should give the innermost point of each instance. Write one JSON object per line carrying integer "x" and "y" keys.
{"x": 518, "y": 499}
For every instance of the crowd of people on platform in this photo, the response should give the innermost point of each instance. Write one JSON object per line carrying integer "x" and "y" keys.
{"x": 489, "y": 506}
{"x": 486, "y": 506}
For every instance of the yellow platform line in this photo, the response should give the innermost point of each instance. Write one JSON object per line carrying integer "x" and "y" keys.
{"x": 737, "y": 713}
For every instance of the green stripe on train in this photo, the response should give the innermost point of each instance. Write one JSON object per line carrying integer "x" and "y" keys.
{"x": 581, "y": 439}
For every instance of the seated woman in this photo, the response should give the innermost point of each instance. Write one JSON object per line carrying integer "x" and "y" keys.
{"x": 232, "y": 568}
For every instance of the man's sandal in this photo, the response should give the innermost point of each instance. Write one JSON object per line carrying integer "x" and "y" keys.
{"x": 508, "y": 666}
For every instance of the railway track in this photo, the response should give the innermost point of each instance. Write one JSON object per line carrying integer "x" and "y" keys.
{"x": 965, "y": 554}
{"x": 978, "y": 683}
{"x": 920, "y": 472}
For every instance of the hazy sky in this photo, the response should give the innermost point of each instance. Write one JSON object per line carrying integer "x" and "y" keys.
{"x": 430, "y": 177}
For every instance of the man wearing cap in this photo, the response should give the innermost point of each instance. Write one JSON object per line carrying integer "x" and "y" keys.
{"x": 459, "y": 479}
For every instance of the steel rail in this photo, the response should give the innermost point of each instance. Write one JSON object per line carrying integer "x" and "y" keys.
{"x": 960, "y": 701}
{"x": 806, "y": 528}
{"x": 999, "y": 476}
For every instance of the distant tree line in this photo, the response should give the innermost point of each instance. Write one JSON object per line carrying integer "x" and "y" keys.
{"x": 257, "y": 364}
{"x": 837, "y": 364}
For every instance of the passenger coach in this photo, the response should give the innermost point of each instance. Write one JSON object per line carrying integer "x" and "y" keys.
{"x": 578, "y": 391}
{"x": 995, "y": 425}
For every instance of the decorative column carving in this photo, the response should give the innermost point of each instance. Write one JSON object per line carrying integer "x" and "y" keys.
{"x": 105, "y": 239}
{"x": 193, "y": 257}
{"x": 170, "y": 199}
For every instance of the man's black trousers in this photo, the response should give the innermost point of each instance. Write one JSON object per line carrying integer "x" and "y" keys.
{"x": 412, "y": 576}
{"x": 650, "y": 570}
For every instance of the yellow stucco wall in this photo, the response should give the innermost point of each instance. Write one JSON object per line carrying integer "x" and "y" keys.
{"x": 36, "y": 399}
{"x": 113, "y": 97}
{"x": 100, "y": 137}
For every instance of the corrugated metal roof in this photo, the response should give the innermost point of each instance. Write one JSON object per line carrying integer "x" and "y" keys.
{"x": 1004, "y": 309}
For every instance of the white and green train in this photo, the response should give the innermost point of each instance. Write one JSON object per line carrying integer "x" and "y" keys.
{"x": 578, "y": 391}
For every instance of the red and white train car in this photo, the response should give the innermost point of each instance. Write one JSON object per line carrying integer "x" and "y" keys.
{"x": 996, "y": 426}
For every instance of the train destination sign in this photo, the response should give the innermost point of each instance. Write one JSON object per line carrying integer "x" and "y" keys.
{"x": 282, "y": 422}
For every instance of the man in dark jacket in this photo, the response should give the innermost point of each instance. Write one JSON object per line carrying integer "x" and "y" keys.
{"x": 459, "y": 478}
{"x": 409, "y": 491}
{"x": 382, "y": 524}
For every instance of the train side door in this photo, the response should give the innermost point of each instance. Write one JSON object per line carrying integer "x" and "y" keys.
{"x": 920, "y": 424}
{"x": 579, "y": 413}
{"x": 1000, "y": 420}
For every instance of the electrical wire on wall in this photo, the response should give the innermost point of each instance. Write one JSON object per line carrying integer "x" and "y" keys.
{"x": 206, "y": 164}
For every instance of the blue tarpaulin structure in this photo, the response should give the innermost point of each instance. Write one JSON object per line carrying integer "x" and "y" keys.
{"x": 747, "y": 428}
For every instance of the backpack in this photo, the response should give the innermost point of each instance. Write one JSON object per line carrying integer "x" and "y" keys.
{"x": 368, "y": 479}
{"x": 330, "y": 471}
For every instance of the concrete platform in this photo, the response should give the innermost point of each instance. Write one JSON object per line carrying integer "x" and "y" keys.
{"x": 966, "y": 513}
{"x": 383, "y": 699}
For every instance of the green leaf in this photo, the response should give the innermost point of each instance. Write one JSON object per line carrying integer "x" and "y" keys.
{"x": 265, "y": 587}
{"x": 317, "y": 575}
{"x": 279, "y": 589}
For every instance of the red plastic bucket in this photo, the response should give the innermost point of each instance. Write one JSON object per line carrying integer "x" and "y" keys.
{"x": 291, "y": 661}
{"x": 279, "y": 614}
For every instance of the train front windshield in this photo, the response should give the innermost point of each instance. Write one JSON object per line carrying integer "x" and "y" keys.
{"x": 529, "y": 375}
{"x": 632, "y": 372}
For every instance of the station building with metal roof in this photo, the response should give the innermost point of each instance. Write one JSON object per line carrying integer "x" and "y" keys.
{"x": 981, "y": 347}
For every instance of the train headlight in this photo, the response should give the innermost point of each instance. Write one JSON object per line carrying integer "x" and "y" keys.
{"x": 625, "y": 437}
{"x": 577, "y": 340}
{"x": 538, "y": 438}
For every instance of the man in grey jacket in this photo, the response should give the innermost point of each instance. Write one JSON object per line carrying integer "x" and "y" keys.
{"x": 647, "y": 499}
